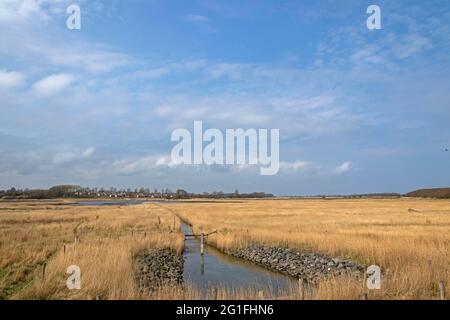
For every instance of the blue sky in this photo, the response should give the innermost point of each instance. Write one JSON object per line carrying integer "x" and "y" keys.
{"x": 358, "y": 110}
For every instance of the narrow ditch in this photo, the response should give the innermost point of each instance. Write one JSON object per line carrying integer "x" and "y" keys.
{"x": 273, "y": 270}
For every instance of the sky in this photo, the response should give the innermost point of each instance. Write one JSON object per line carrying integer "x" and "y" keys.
{"x": 359, "y": 110}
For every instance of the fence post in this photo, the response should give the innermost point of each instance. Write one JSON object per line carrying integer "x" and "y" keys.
{"x": 64, "y": 248}
{"x": 44, "y": 266}
{"x": 202, "y": 244}
{"x": 366, "y": 293}
{"x": 202, "y": 265}
{"x": 441, "y": 290}
{"x": 261, "y": 295}
{"x": 301, "y": 289}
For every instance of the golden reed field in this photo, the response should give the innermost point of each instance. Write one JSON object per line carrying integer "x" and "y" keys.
{"x": 408, "y": 238}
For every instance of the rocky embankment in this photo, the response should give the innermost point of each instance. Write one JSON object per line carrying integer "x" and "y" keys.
{"x": 159, "y": 268}
{"x": 302, "y": 265}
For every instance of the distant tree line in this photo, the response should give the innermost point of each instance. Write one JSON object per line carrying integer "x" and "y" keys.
{"x": 74, "y": 191}
{"x": 61, "y": 191}
{"x": 440, "y": 193}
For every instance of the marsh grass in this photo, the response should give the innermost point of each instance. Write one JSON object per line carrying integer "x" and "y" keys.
{"x": 108, "y": 239}
{"x": 411, "y": 246}
{"x": 408, "y": 238}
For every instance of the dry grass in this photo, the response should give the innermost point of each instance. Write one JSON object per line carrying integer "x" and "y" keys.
{"x": 35, "y": 233}
{"x": 408, "y": 238}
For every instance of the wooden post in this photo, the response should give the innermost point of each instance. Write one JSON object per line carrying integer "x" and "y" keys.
{"x": 202, "y": 244}
{"x": 145, "y": 234}
{"x": 44, "y": 266}
{"x": 261, "y": 295}
{"x": 301, "y": 289}
{"x": 441, "y": 290}
{"x": 159, "y": 220}
{"x": 64, "y": 248}
{"x": 202, "y": 265}
{"x": 173, "y": 223}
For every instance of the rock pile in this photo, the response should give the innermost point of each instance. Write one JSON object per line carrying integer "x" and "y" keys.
{"x": 302, "y": 265}
{"x": 159, "y": 268}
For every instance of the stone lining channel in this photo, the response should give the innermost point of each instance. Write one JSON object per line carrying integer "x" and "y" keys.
{"x": 275, "y": 271}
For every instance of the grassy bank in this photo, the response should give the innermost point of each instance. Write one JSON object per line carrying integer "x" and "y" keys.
{"x": 102, "y": 241}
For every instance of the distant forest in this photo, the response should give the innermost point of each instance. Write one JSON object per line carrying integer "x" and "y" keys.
{"x": 440, "y": 193}
{"x": 73, "y": 191}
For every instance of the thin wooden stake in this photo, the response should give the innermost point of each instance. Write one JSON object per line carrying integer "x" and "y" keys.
{"x": 366, "y": 293}
{"x": 202, "y": 265}
{"x": 301, "y": 289}
{"x": 64, "y": 248}
{"x": 202, "y": 244}
{"x": 441, "y": 290}
{"x": 44, "y": 266}
{"x": 261, "y": 295}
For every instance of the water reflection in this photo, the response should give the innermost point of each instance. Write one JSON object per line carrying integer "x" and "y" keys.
{"x": 215, "y": 269}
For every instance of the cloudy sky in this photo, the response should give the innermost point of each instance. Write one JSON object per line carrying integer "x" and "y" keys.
{"x": 358, "y": 110}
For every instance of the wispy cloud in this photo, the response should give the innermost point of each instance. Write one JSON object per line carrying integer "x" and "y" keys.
{"x": 10, "y": 79}
{"x": 343, "y": 168}
{"x": 73, "y": 155}
{"x": 195, "y": 18}
{"x": 53, "y": 84}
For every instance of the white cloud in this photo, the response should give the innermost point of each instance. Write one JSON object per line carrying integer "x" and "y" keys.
{"x": 19, "y": 10}
{"x": 87, "y": 57}
{"x": 141, "y": 164}
{"x": 10, "y": 79}
{"x": 151, "y": 73}
{"x": 53, "y": 84}
{"x": 32, "y": 30}
{"x": 410, "y": 45}
{"x": 343, "y": 168}
{"x": 88, "y": 152}
{"x": 298, "y": 165}
{"x": 195, "y": 18}
{"x": 72, "y": 155}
